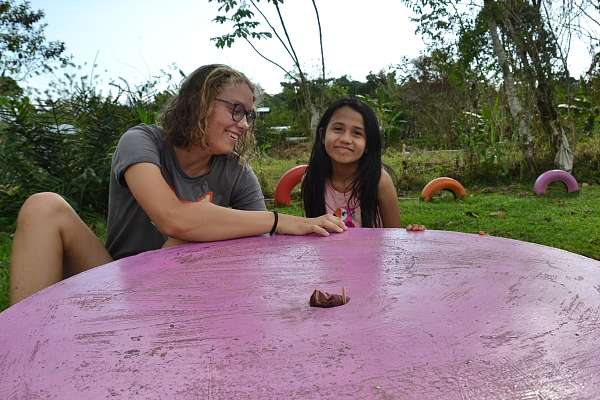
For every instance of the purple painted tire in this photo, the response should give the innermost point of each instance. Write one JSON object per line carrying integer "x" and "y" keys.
{"x": 555, "y": 175}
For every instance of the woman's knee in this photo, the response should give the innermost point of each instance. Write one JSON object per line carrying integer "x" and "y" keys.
{"x": 43, "y": 206}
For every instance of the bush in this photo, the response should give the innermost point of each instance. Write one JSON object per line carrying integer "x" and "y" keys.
{"x": 413, "y": 170}
{"x": 63, "y": 147}
{"x": 586, "y": 166}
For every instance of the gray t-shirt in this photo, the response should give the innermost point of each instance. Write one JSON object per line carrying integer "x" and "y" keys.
{"x": 130, "y": 231}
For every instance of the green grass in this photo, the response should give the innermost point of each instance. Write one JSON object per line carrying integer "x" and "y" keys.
{"x": 566, "y": 221}
{"x": 569, "y": 222}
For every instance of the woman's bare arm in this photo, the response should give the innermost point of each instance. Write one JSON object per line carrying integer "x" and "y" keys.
{"x": 204, "y": 221}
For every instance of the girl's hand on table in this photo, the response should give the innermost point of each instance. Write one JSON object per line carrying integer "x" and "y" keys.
{"x": 323, "y": 225}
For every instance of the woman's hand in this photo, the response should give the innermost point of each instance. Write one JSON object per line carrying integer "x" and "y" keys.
{"x": 292, "y": 225}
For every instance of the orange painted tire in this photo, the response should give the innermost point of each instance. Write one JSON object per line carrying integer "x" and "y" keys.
{"x": 443, "y": 183}
{"x": 286, "y": 183}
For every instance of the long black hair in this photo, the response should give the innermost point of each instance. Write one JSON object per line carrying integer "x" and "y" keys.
{"x": 366, "y": 182}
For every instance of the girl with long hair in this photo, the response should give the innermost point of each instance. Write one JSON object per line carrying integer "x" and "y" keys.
{"x": 345, "y": 175}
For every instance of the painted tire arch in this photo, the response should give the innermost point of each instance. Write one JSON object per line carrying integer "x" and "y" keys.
{"x": 443, "y": 183}
{"x": 286, "y": 183}
{"x": 555, "y": 175}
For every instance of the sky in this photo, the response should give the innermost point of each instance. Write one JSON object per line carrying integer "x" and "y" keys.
{"x": 136, "y": 39}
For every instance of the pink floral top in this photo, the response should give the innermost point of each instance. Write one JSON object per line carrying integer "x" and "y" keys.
{"x": 337, "y": 203}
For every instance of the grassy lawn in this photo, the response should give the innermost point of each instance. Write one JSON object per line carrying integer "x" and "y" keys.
{"x": 569, "y": 222}
{"x": 566, "y": 221}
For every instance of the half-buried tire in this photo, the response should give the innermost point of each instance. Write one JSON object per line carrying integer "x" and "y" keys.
{"x": 555, "y": 175}
{"x": 443, "y": 183}
{"x": 287, "y": 182}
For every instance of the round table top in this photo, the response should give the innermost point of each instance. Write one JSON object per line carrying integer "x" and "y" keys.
{"x": 432, "y": 315}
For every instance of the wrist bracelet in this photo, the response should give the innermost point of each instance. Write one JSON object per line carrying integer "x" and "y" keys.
{"x": 274, "y": 228}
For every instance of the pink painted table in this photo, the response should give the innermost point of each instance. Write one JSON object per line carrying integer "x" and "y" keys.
{"x": 433, "y": 315}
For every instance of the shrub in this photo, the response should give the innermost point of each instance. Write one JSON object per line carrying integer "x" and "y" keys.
{"x": 63, "y": 146}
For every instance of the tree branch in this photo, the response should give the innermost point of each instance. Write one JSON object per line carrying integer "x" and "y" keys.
{"x": 271, "y": 61}
{"x": 320, "y": 38}
{"x": 563, "y": 54}
{"x": 273, "y": 30}
{"x": 295, "y": 57}
{"x": 580, "y": 6}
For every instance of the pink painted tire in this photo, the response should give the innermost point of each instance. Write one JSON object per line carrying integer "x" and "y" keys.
{"x": 555, "y": 175}
{"x": 287, "y": 182}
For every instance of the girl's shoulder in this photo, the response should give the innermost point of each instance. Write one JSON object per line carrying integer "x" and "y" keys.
{"x": 141, "y": 131}
{"x": 385, "y": 181}
{"x": 144, "y": 129}
{"x": 385, "y": 176}
{"x": 141, "y": 137}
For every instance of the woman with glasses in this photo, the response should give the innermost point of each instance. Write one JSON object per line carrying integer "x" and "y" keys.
{"x": 182, "y": 181}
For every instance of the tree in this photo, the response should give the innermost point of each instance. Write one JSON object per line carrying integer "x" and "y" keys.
{"x": 528, "y": 53}
{"x": 24, "y": 50}
{"x": 536, "y": 49}
{"x": 241, "y": 14}
{"x": 519, "y": 115}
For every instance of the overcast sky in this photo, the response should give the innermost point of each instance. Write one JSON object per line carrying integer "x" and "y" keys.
{"x": 135, "y": 39}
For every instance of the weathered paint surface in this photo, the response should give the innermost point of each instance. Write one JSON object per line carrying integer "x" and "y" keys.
{"x": 433, "y": 315}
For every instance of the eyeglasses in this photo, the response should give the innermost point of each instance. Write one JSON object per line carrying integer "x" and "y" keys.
{"x": 238, "y": 112}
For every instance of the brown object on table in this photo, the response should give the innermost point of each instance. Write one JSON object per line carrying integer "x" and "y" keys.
{"x": 327, "y": 300}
